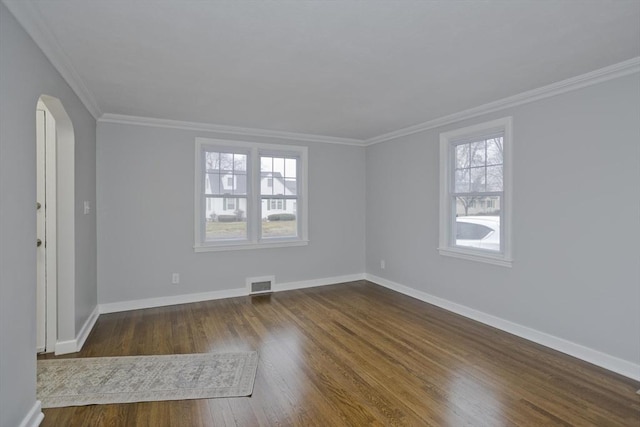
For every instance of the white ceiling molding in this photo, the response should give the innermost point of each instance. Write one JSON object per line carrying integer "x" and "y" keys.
{"x": 598, "y": 76}
{"x": 29, "y": 17}
{"x": 34, "y": 23}
{"x": 603, "y": 74}
{"x": 234, "y": 130}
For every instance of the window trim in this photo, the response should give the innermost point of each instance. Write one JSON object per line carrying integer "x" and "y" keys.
{"x": 454, "y": 137}
{"x": 253, "y": 150}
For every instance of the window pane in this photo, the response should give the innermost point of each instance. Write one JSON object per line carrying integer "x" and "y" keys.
{"x": 226, "y": 218}
{"x": 462, "y": 181}
{"x": 477, "y": 150}
{"x": 279, "y": 218}
{"x": 477, "y": 179}
{"x": 268, "y": 180}
{"x": 240, "y": 185}
{"x": 266, "y": 164}
{"x": 494, "y": 151}
{"x": 278, "y": 184}
{"x": 226, "y": 162}
{"x": 212, "y": 184}
{"x": 494, "y": 178}
{"x": 212, "y": 161}
{"x": 278, "y": 165}
{"x": 240, "y": 162}
{"x": 290, "y": 187}
{"x": 462, "y": 156}
{"x": 477, "y": 205}
{"x": 266, "y": 183}
{"x": 291, "y": 168}
{"x": 478, "y": 222}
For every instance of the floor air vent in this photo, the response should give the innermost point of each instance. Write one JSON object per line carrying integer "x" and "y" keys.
{"x": 260, "y": 285}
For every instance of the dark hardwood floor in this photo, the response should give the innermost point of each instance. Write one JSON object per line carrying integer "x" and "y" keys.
{"x": 357, "y": 354}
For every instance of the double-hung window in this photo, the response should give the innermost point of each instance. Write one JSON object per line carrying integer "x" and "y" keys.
{"x": 475, "y": 192}
{"x": 249, "y": 195}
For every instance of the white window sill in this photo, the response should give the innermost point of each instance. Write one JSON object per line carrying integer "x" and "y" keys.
{"x": 245, "y": 246}
{"x": 471, "y": 255}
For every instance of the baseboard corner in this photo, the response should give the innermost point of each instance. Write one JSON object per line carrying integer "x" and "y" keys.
{"x": 87, "y": 328}
{"x": 34, "y": 417}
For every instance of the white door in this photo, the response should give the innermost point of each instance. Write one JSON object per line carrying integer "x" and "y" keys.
{"x": 41, "y": 232}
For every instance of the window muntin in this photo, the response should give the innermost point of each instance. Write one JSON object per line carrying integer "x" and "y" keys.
{"x": 249, "y": 195}
{"x": 475, "y": 192}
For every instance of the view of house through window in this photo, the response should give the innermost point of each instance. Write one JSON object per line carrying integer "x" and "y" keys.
{"x": 278, "y": 192}
{"x": 226, "y": 175}
{"x": 249, "y": 194}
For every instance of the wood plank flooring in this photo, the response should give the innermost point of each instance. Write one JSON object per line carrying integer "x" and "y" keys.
{"x": 357, "y": 354}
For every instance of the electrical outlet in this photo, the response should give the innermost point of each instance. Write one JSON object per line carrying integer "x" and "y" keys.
{"x": 383, "y": 264}
{"x": 175, "y": 278}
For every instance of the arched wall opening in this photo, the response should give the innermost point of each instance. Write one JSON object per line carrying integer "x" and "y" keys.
{"x": 65, "y": 223}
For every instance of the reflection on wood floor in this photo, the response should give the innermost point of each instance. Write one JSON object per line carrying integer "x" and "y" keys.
{"x": 357, "y": 354}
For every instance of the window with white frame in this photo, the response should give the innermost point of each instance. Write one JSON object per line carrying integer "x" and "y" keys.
{"x": 475, "y": 192}
{"x": 281, "y": 171}
{"x": 249, "y": 195}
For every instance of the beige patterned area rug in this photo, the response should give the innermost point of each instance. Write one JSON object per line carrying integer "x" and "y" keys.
{"x": 102, "y": 380}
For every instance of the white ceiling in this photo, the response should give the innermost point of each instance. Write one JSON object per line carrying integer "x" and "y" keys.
{"x": 350, "y": 69}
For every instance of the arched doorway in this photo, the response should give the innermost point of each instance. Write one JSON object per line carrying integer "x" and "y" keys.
{"x": 56, "y": 224}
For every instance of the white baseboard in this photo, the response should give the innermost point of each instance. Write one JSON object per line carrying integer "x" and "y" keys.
{"x": 75, "y": 345}
{"x": 87, "y": 327}
{"x": 612, "y": 363}
{"x": 278, "y": 287}
{"x": 34, "y": 417}
{"x": 65, "y": 347}
{"x": 114, "y": 307}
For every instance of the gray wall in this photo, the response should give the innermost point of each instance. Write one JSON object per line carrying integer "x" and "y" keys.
{"x": 25, "y": 74}
{"x": 146, "y": 218}
{"x": 576, "y": 226}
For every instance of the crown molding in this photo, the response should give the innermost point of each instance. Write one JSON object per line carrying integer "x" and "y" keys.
{"x": 598, "y": 76}
{"x": 33, "y": 23}
{"x": 611, "y": 72}
{"x": 234, "y": 130}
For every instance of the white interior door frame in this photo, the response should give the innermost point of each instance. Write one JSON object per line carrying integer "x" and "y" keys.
{"x": 41, "y": 269}
{"x": 62, "y": 270}
{"x": 48, "y": 309}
